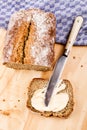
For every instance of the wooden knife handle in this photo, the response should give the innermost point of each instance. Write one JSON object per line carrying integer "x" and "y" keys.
{"x": 73, "y": 34}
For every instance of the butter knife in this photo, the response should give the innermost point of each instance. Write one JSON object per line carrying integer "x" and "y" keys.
{"x": 59, "y": 66}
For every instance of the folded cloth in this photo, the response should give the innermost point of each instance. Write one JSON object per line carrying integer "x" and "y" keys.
{"x": 64, "y": 10}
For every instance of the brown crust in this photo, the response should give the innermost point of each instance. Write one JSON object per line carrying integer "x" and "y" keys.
{"x": 30, "y": 40}
{"x": 19, "y": 66}
{"x": 38, "y": 83}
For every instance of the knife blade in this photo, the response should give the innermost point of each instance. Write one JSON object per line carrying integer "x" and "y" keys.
{"x": 59, "y": 66}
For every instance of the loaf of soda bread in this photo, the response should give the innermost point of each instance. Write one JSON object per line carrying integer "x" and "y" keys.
{"x": 29, "y": 43}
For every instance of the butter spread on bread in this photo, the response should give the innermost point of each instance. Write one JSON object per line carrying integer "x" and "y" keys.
{"x": 58, "y": 100}
{"x": 62, "y": 107}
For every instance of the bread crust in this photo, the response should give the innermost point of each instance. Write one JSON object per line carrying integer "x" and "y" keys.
{"x": 38, "y": 83}
{"x": 30, "y": 40}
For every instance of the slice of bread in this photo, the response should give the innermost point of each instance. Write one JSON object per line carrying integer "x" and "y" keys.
{"x": 38, "y": 83}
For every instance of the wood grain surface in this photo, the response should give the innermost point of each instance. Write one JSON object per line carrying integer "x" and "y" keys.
{"x": 14, "y": 115}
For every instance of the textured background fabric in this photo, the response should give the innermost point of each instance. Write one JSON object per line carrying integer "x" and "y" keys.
{"x": 64, "y": 10}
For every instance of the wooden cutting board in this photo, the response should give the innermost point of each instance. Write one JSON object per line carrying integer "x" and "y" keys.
{"x": 14, "y": 115}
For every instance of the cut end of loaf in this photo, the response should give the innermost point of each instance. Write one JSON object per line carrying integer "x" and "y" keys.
{"x": 21, "y": 66}
{"x": 38, "y": 83}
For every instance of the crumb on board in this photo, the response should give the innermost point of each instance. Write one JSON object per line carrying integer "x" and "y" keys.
{"x": 6, "y": 113}
{"x": 15, "y": 106}
{"x": 74, "y": 57}
{"x": 4, "y": 100}
{"x": 81, "y": 65}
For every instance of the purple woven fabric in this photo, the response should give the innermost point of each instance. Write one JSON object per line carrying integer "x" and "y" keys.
{"x": 64, "y": 10}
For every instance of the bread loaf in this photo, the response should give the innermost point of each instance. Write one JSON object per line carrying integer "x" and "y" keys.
{"x": 30, "y": 39}
{"x": 61, "y": 107}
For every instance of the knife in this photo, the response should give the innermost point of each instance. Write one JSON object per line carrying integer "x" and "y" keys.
{"x": 59, "y": 66}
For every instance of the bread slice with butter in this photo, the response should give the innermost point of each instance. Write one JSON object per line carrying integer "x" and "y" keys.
{"x": 61, "y": 103}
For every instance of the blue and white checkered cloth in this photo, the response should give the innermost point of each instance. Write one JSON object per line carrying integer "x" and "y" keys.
{"x": 64, "y": 10}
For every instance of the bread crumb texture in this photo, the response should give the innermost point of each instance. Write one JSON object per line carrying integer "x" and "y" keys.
{"x": 39, "y": 83}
